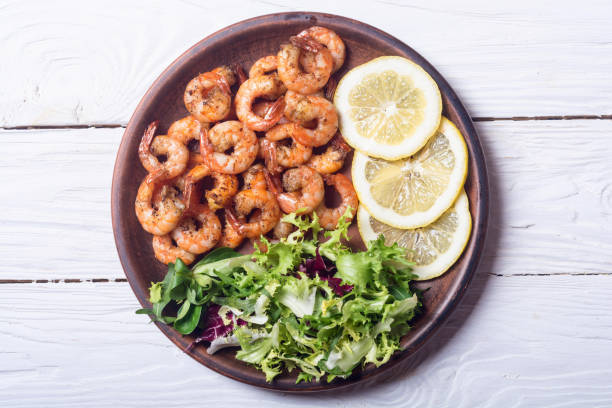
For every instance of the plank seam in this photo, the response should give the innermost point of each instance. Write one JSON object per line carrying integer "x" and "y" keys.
{"x": 124, "y": 280}
{"x": 550, "y": 117}
{"x": 59, "y": 127}
{"x": 507, "y": 275}
{"x": 94, "y": 280}
{"x": 475, "y": 119}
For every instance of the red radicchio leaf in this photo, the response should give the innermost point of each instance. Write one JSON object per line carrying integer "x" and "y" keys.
{"x": 214, "y": 326}
{"x": 317, "y": 267}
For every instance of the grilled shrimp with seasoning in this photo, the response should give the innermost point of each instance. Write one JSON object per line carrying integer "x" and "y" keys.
{"x": 283, "y": 229}
{"x": 330, "y": 40}
{"x": 264, "y": 66}
{"x": 302, "y": 189}
{"x": 224, "y": 136}
{"x": 307, "y": 108}
{"x": 219, "y": 196}
{"x": 254, "y": 178}
{"x": 201, "y": 236}
{"x": 164, "y": 216}
{"x": 151, "y": 147}
{"x": 267, "y": 66}
{"x": 287, "y": 155}
{"x": 332, "y": 159}
{"x": 208, "y": 96}
{"x": 259, "y": 209}
{"x": 328, "y": 217}
{"x": 265, "y": 86}
{"x": 187, "y": 131}
{"x": 166, "y": 251}
{"x": 291, "y": 73}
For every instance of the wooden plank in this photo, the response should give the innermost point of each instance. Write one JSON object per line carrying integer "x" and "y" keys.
{"x": 551, "y": 196}
{"x": 551, "y": 200}
{"x": 69, "y": 63}
{"x": 514, "y": 341}
{"x": 56, "y": 204}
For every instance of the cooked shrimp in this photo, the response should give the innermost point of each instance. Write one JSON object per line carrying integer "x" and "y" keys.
{"x": 258, "y": 87}
{"x": 303, "y": 190}
{"x": 208, "y": 97}
{"x": 295, "y": 78}
{"x": 152, "y": 146}
{"x": 196, "y": 238}
{"x": 267, "y": 151}
{"x": 267, "y": 66}
{"x": 225, "y": 187}
{"x": 263, "y": 109}
{"x": 166, "y": 251}
{"x": 328, "y": 217}
{"x": 306, "y": 108}
{"x": 228, "y": 73}
{"x": 264, "y": 65}
{"x": 161, "y": 218}
{"x": 241, "y": 76}
{"x": 174, "y": 187}
{"x": 283, "y": 229}
{"x": 294, "y": 154}
{"x": 330, "y": 88}
{"x": 329, "y": 39}
{"x": 186, "y": 131}
{"x": 254, "y": 178}
{"x": 260, "y": 209}
{"x": 224, "y": 136}
{"x": 332, "y": 159}
{"x": 194, "y": 160}
{"x": 220, "y": 195}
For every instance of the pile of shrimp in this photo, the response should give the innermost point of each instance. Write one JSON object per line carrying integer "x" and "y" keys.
{"x": 192, "y": 199}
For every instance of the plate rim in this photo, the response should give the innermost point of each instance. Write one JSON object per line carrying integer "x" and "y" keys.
{"x": 479, "y": 228}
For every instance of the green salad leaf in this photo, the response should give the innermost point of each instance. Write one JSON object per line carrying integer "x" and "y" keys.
{"x": 305, "y": 303}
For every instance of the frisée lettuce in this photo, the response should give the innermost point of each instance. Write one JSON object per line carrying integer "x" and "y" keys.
{"x": 300, "y": 303}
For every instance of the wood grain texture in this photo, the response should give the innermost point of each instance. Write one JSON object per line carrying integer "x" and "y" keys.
{"x": 514, "y": 341}
{"x": 55, "y": 199}
{"x": 551, "y": 200}
{"x": 68, "y": 63}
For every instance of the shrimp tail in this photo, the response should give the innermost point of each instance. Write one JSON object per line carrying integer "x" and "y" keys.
{"x": 273, "y": 182}
{"x": 147, "y": 138}
{"x": 330, "y": 88}
{"x": 269, "y": 154}
{"x": 158, "y": 176}
{"x": 206, "y": 147}
{"x": 239, "y": 73}
{"x": 220, "y": 80}
{"x": 306, "y": 43}
{"x": 190, "y": 195}
{"x": 339, "y": 143}
{"x": 223, "y": 84}
{"x": 232, "y": 219}
{"x": 275, "y": 112}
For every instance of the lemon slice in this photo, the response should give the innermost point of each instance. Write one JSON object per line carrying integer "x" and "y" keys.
{"x": 433, "y": 248}
{"x": 415, "y": 191}
{"x": 388, "y": 107}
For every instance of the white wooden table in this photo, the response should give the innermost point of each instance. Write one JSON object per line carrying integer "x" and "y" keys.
{"x": 535, "y": 328}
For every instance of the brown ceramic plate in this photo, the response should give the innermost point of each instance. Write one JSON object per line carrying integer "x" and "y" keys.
{"x": 243, "y": 43}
